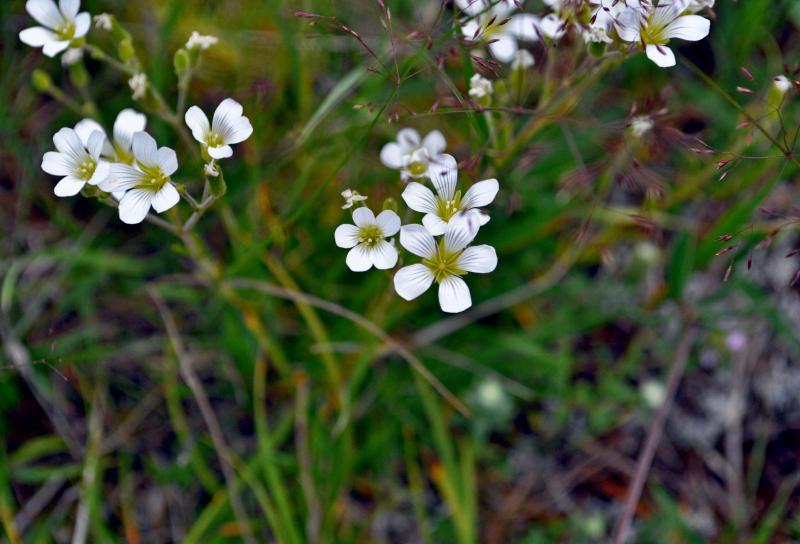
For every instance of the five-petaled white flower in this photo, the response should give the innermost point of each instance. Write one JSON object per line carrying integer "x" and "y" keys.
{"x": 445, "y": 262}
{"x": 128, "y": 123}
{"x": 412, "y": 155}
{"x": 448, "y": 203}
{"x": 103, "y": 21}
{"x": 228, "y": 127}
{"x": 61, "y": 24}
{"x": 655, "y": 26}
{"x": 351, "y": 197}
{"x": 366, "y": 240}
{"x": 480, "y": 87}
{"x": 484, "y": 23}
{"x": 77, "y": 162}
{"x": 146, "y": 182}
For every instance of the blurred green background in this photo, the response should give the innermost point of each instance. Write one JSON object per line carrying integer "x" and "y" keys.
{"x": 606, "y": 244}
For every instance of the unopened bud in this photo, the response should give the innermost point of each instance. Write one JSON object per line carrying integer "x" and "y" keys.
{"x": 125, "y": 50}
{"x": 390, "y": 204}
{"x": 41, "y": 81}
{"x": 182, "y": 62}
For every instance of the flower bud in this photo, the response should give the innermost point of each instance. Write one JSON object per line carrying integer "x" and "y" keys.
{"x": 41, "y": 81}
{"x": 216, "y": 184}
{"x": 182, "y": 62}
{"x": 78, "y": 74}
{"x": 125, "y": 50}
{"x": 390, "y": 204}
{"x": 597, "y": 49}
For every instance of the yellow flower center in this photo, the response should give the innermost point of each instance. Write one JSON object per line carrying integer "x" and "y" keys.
{"x": 446, "y": 209}
{"x": 654, "y": 33}
{"x": 122, "y": 155}
{"x": 65, "y": 30}
{"x": 417, "y": 168}
{"x": 370, "y": 235}
{"x": 444, "y": 264}
{"x": 86, "y": 168}
{"x": 153, "y": 179}
{"x": 215, "y": 140}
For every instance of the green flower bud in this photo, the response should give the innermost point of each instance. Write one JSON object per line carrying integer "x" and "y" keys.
{"x": 41, "y": 81}
{"x": 390, "y": 204}
{"x": 78, "y": 74}
{"x": 182, "y": 62}
{"x": 597, "y": 49}
{"x": 125, "y": 50}
{"x": 216, "y": 183}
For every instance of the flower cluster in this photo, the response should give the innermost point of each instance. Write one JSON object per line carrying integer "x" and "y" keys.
{"x": 645, "y": 24}
{"x": 450, "y": 223}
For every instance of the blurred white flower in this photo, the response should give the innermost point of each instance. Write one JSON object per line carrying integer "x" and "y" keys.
{"x": 782, "y": 84}
{"x": 448, "y": 203}
{"x": 77, "y": 162}
{"x": 228, "y": 127}
{"x": 654, "y": 27}
{"x": 138, "y": 84}
{"x": 71, "y": 56}
{"x": 211, "y": 169}
{"x": 444, "y": 262}
{"x": 412, "y": 155}
{"x": 480, "y": 87}
{"x": 699, "y": 5}
{"x": 103, "y": 21}
{"x": 641, "y": 125}
{"x": 483, "y": 24}
{"x": 199, "y": 41}
{"x": 522, "y": 60}
{"x": 146, "y": 182}
{"x": 127, "y": 123}
{"x": 366, "y": 240}
{"x": 351, "y": 197}
{"x": 61, "y": 24}
{"x": 653, "y": 393}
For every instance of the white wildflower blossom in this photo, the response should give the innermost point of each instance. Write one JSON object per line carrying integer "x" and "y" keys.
{"x": 71, "y": 56}
{"x": 366, "y": 240}
{"x": 103, "y": 21}
{"x": 480, "y": 87}
{"x": 61, "y": 24}
{"x": 351, "y": 197}
{"x": 655, "y": 26}
{"x": 641, "y": 125}
{"x": 146, "y": 182}
{"x": 138, "y": 84}
{"x": 522, "y": 60}
{"x": 119, "y": 149}
{"x": 483, "y": 23}
{"x": 448, "y": 202}
{"x": 77, "y": 162}
{"x": 199, "y": 41}
{"x": 228, "y": 127}
{"x": 444, "y": 262}
{"x": 782, "y": 84}
{"x": 412, "y": 155}
{"x": 653, "y": 393}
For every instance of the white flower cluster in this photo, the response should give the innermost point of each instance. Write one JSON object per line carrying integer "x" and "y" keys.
{"x": 452, "y": 217}
{"x": 643, "y": 23}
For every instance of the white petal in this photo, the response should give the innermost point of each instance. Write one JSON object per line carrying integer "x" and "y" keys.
{"x": 197, "y": 122}
{"x": 459, "y": 233}
{"x": 480, "y": 259}
{"x": 417, "y": 240}
{"x": 226, "y": 118}
{"x": 220, "y": 152}
{"x": 237, "y": 130}
{"x": 411, "y": 281}
{"x": 51, "y": 49}
{"x": 346, "y": 236}
{"x": 524, "y": 26}
{"x": 392, "y": 155}
{"x": 145, "y": 149}
{"x": 37, "y": 36}
{"x": 552, "y": 27}
{"x": 504, "y": 47}
{"x": 444, "y": 176}
{"x": 57, "y": 164}
{"x": 135, "y": 205}
{"x": 121, "y": 178}
{"x": 435, "y": 224}
{"x": 628, "y": 24}
{"x": 82, "y": 23}
{"x": 471, "y": 7}
{"x": 383, "y": 256}
{"x": 454, "y": 295}
{"x": 480, "y": 194}
{"x": 469, "y": 28}
{"x": 358, "y": 259}
{"x": 66, "y": 141}
{"x": 45, "y": 12}
{"x": 128, "y": 123}
{"x": 408, "y": 138}
{"x": 389, "y": 222}
{"x": 166, "y": 198}
{"x": 167, "y": 160}
{"x": 100, "y": 174}
{"x": 434, "y": 142}
{"x": 69, "y": 186}
{"x": 69, "y": 8}
{"x": 419, "y": 198}
{"x": 85, "y": 128}
{"x": 95, "y": 143}
{"x": 661, "y": 55}
{"x": 363, "y": 216}
{"x": 689, "y": 27}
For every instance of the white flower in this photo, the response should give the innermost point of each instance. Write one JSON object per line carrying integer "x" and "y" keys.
{"x": 654, "y": 27}
{"x": 782, "y": 84}
{"x": 351, "y": 197}
{"x": 146, "y": 182}
{"x": 366, "y": 239}
{"x": 200, "y": 42}
{"x": 411, "y": 155}
{"x": 77, "y": 162}
{"x": 448, "y": 203}
{"x": 61, "y": 24}
{"x": 211, "y": 169}
{"x": 71, "y": 56}
{"x": 653, "y": 393}
{"x": 127, "y": 123}
{"x": 699, "y": 5}
{"x": 484, "y": 21}
{"x": 444, "y": 262}
{"x": 138, "y": 84}
{"x": 103, "y": 21}
{"x": 229, "y": 126}
{"x": 522, "y": 60}
{"x": 480, "y": 87}
{"x": 641, "y": 125}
